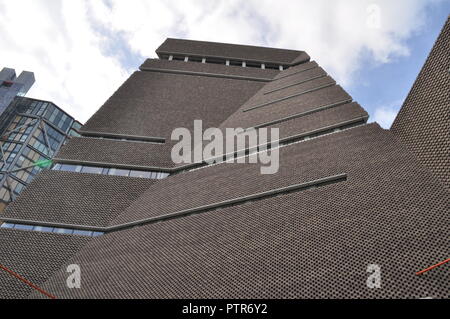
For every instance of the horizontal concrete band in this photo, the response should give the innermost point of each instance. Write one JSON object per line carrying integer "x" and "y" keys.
{"x": 214, "y": 75}
{"x": 362, "y": 120}
{"x": 236, "y": 201}
{"x": 159, "y": 140}
{"x": 294, "y": 84}
{"x": 295, "y": 73}
{"x": 289, "y": 97}
{"x": 297, "y": 115}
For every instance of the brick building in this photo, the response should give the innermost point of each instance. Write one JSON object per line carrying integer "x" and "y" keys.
{"x": 348, "y": 194}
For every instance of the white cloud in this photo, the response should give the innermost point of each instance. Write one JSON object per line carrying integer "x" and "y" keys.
{"x": 54, "y": 40}
{"x": 64, "y": 44}
{"x": 385, "y": 115}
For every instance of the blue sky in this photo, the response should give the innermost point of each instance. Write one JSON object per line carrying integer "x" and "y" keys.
{"x": 82, "y": 50}
{"x": 385, "y": 86}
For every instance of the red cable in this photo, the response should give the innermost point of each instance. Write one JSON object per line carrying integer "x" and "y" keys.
{"x": 432, "y": 267}
{"x": 53, "y": 297}
{"x": 27, "y": 282}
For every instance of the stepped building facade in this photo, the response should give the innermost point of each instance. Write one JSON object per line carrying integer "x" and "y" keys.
{"x": 350, "y": 200}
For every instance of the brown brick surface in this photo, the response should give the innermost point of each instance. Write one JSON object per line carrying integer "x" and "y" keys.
{"x": 310, "y": 244}
{"x": 292, "y": 106}
{"x": 156, "y": 103}
{"x": 75, "y": 198}
{"x": 315, "y": 243}
{"x": 34, "y": 256}
{"x": 296, "y": 69}
{"x": 295, "y": 78}
{"x": 423, "y": 123}
{"x": 117, "y": 152}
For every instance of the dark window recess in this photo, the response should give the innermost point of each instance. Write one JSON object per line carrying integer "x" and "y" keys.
{"x": 236, "y": 63}
{"x": 254, "y": 65}
{"x": 215, "y": 61}
{"x": 195, "y": 59}
{"x": 272, "y": 66}
{"x": 7, "y": 84}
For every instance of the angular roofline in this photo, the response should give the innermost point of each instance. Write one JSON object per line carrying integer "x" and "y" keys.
{"x": 301, "y": 57}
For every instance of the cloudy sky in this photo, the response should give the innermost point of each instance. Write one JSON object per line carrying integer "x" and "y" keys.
{"x": 82, "y": 50}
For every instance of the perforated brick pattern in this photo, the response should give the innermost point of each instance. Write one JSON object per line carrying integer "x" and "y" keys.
{"x": 423, "y": 123}
{"x": 302, "y": 88}
{"x": 311, "y": 244}
{"x": 156, "y": 103}
{"x": 34, "y": 256}
{"x": 317, "y": 243}
{"x": 75, "y": 198}
{"x": 291, "y": 106}
{"x": 299, "y": 163}
{"x": 117, "y": 152}
{"x": 295, "y": 78}
{"x": 295, "y": 69}
{"x": 318, "y": 120}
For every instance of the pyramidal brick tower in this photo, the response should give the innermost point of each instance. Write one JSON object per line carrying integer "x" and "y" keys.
{"x": 349, "y": 197}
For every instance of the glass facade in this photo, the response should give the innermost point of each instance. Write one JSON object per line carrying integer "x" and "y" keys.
{"x": 110, "y": 171}
{"x": 32, "y": 131}
{"x": 56, "y": 230}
